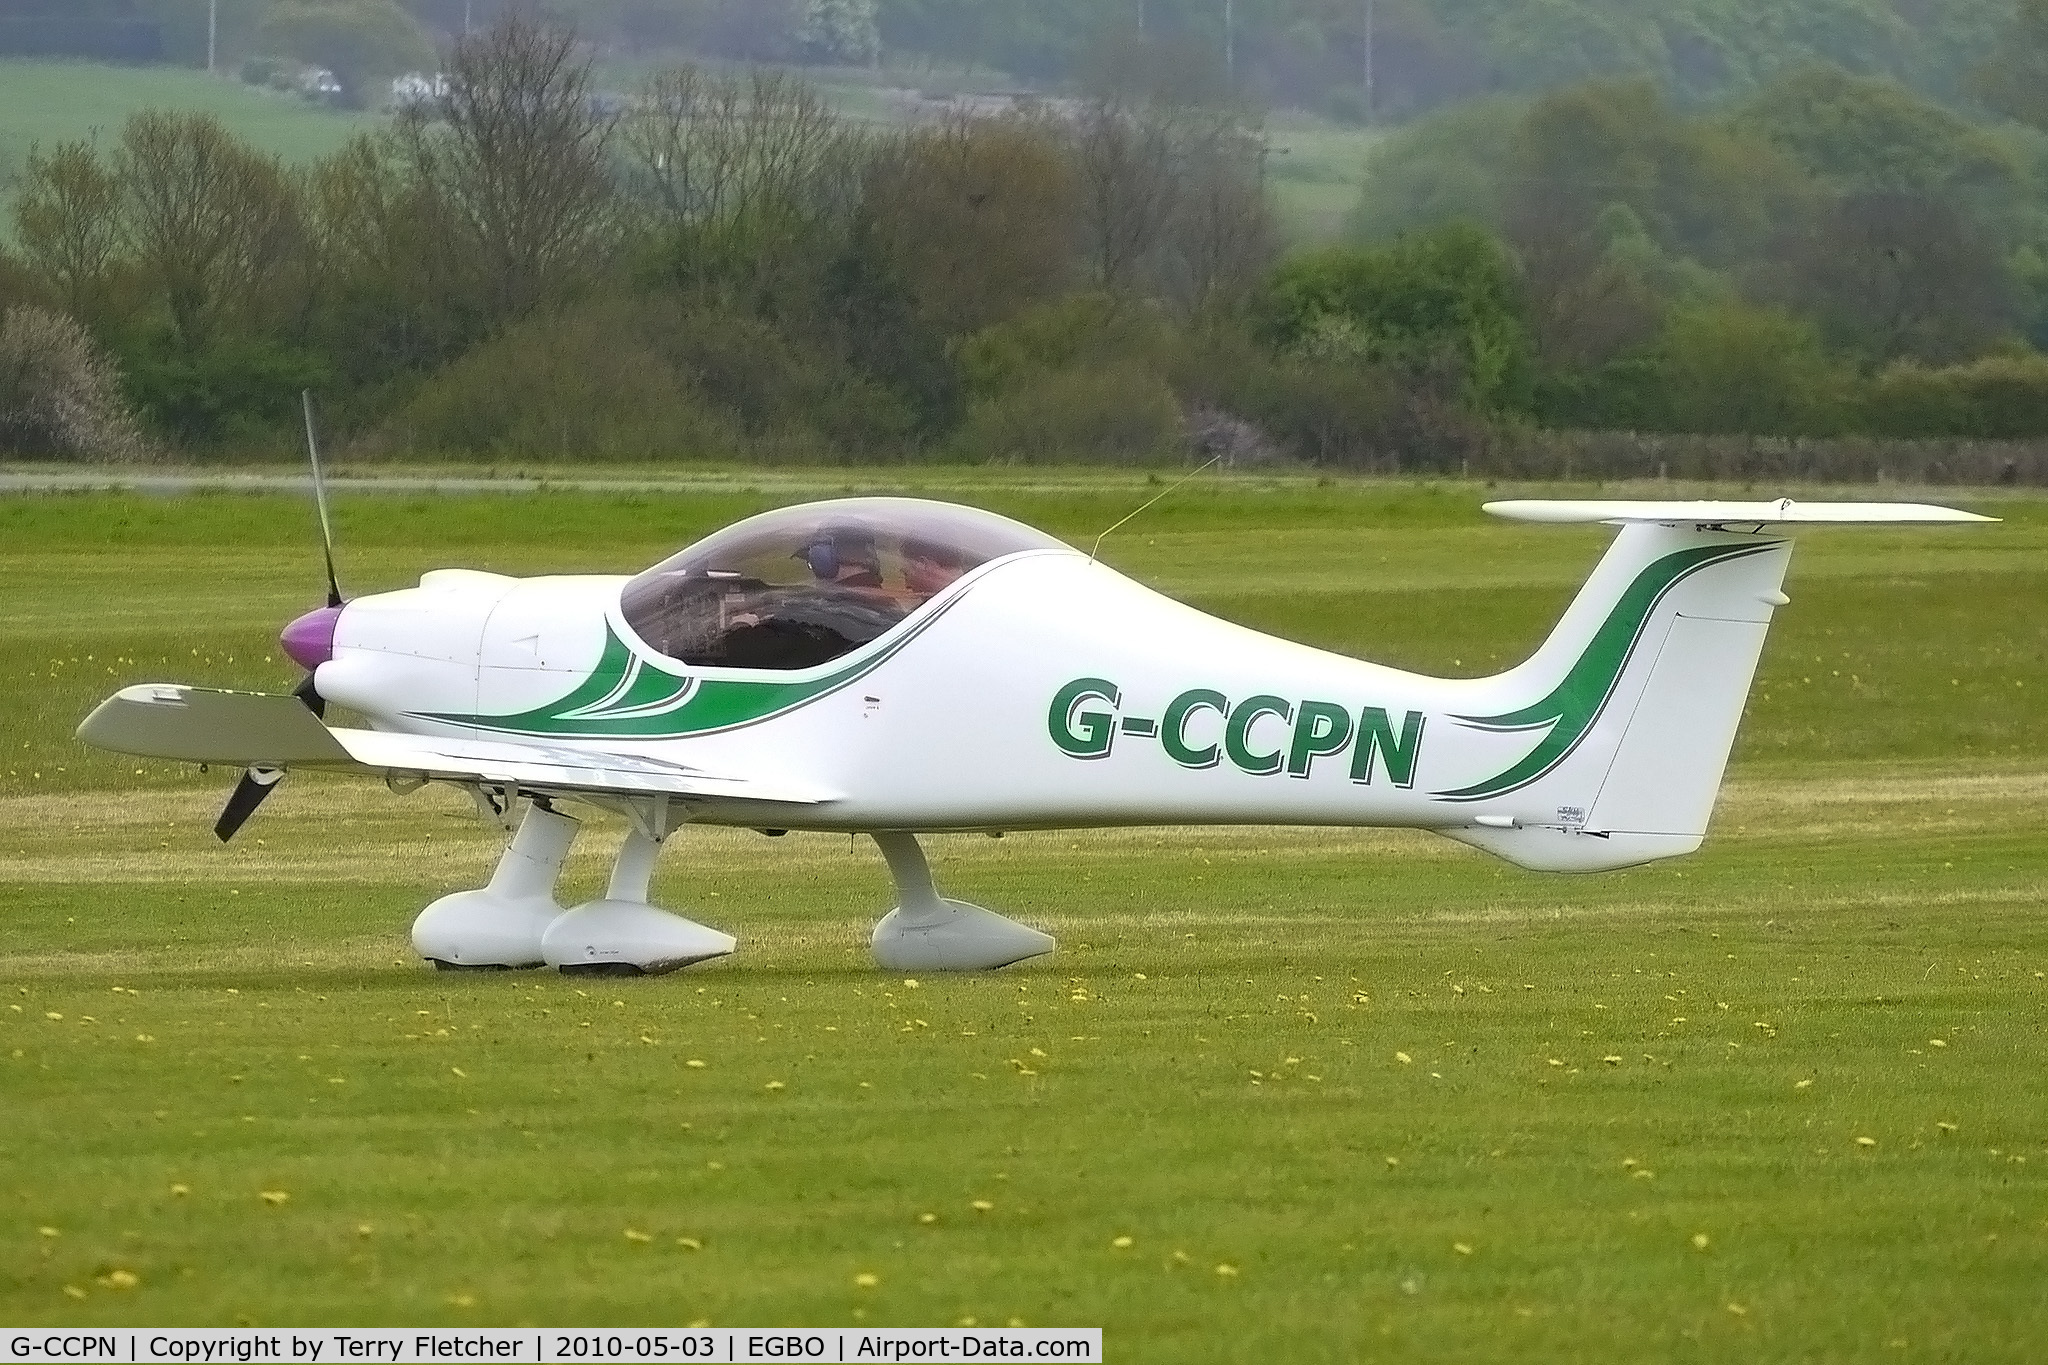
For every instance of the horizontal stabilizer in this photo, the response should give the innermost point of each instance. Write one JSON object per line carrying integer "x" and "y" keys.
{"x": 259, "y": 729}
{"x": 1783, "y": 512}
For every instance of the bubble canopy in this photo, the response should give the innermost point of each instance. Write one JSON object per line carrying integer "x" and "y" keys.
{"x": 801, "y": 586}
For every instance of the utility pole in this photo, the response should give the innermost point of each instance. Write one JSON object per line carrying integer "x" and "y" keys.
{"x": 1369, "y": 6}
{"x": 1230, "y": 43}
{"x": 212, "y": 26}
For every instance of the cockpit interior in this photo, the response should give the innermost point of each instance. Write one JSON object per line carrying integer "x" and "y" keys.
{"x": 801, "y": 586}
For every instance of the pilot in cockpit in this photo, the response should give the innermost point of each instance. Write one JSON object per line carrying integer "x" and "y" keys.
{"x": 930, "y": 568}
{"x": 844, "y": 557}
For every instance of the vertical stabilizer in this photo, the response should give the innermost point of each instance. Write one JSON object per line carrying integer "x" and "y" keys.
{"x": 1626, "y": 715}
{"x": 1628, "y": 711}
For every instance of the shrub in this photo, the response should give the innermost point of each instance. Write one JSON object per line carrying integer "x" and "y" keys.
{"x": 582, "y": 384}
{"x": 1122, "y": 413}
{"x": 1449, "y": 295}
{"x": 58, "y": 394}
{"x": 233, "y": 391}
{"x": 1997, "y": 398}
{"x": 1735, "y": 368}
{"x": 1083, "y": 330}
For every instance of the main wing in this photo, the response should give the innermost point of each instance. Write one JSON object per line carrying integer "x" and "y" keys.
{"x": 265, "y": 730}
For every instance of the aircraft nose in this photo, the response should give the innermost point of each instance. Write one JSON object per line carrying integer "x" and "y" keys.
{"x": 309, "y": 641}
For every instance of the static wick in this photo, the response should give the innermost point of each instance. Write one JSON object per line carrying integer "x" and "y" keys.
{"x": 1097, "y": 548}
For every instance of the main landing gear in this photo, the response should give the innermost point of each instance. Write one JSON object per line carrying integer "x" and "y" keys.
{"x": 516, "y": 922}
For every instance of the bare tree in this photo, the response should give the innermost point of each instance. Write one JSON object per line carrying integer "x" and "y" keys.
{"x": 977, "y": 217}
{"x": 67, "y": 218}
{"x": 390, "y": 267}
{"x": 1223, "y": 235}
{"x": 517, "y": 153}
{"x": 709, "y": 149}
{"x": 213, "y": 225}
{"x": 1125, "y": 153}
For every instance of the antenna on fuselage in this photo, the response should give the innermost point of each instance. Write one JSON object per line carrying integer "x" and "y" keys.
{"x": 1096, "y": 549}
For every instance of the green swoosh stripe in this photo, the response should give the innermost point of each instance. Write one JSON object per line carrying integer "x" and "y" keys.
{"x": 1575, "y": 703}
{"x": 716, "y": 704}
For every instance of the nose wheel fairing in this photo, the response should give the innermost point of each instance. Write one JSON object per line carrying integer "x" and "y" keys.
{"x": 927, "y": 932}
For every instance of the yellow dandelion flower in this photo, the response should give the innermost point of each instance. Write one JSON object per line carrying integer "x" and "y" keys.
{"x": 1801, "y": 1085}
{"x": 462, "y": 1300}
{"x": 909, "y": 983}
{"x": 1393, "y": 1161}
{"x": 1945, "y": 1127}
{"x": 927, "y": 1218}
{"x": 1937, "y": 1042}
{"x": 459, "y": 1072}
{"x": 72, "y": 1291}
{"x": 120, "y": 1279}
{"x": 48, "y": 1232}
{"x": 1738, "y": 1310}
{"x": 365, "y": 1229}
{"x": 1181, "y": 1258}
{"x": 695, "y": 1064}
{"x": 1462, "y": 1248}
{"x": 1120, "y": 1243}
{"x": 1227, "y": 1271}
{"x": 774, "y": 1085}
{"x": 1866, "y": 1142}
{"x": 1700, "y": 1241}
{"x": 180, "y": 1191}
{"x": 1611, "y": 1060}
{"x": 867, "y": 1279}
{"x": 274, "y": 1197}
{"x": 1403, "y": 1058}
{"x": 689, "y": 1244}
{"x": 982, "y": 1206}
{"x": 636, "y": 1235}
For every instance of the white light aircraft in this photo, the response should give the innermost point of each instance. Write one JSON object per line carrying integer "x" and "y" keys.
{"x": 893, "y": 667}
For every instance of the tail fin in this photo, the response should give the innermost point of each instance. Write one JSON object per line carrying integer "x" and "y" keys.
{"x": 1638, "y": 692}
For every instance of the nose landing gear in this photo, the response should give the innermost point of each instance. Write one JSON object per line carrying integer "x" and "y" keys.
{"x": 927, "y": 932}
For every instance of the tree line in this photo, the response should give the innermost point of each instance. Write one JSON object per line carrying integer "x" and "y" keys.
{"x": 725, "y": 267}
{"x": 1830, "y": 254}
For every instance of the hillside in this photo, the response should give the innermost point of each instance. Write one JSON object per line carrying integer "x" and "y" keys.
{"x": 44, "y": 102}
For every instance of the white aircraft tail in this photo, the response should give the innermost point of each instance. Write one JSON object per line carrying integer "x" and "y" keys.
{"x": 1634, "y": 700}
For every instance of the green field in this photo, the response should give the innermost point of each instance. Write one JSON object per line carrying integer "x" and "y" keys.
{"x": 47, "y": 102}
{"x": 1317, "y": 171}
{"x": 1349, "y": 1095}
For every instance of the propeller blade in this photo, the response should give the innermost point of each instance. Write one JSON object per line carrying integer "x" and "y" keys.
{"x": 315, "y": 703}
{"x": 334, "y": 598}
{"x": 256, "y": 784}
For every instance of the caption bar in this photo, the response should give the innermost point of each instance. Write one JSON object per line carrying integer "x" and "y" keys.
{"x": 396, "y": 1346}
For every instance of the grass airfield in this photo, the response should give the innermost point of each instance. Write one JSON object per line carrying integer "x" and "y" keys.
{"x": 1349, "y": 1094}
